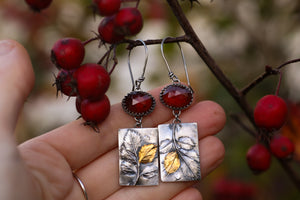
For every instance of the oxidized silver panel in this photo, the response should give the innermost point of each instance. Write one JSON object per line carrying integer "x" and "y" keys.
{"x": 138, "y": 156}
{"x": 179, "y": 152}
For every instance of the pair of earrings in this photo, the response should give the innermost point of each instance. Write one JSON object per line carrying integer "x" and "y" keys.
{"x": 170, "y": 150}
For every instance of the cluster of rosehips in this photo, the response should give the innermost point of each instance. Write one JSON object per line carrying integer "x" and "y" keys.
{"x": 270, "y": 114}
{"x": 117, "y": 22}
{"x": 87, "y": 82}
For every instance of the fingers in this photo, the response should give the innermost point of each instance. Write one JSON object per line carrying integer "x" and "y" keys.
{"x": 211, "y": 152}
{"x": 189, "y": 194}
{"x": 16, "y": 81}
{"x": 105, "y": 169}
{"x": 80, "y": 145}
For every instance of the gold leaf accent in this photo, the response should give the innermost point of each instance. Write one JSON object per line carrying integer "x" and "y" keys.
{"x": 147, "y": 153}
{"x": 172, "y": 162}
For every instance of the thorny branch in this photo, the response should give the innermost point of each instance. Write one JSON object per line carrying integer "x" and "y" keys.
{"x": 238, "y": 95}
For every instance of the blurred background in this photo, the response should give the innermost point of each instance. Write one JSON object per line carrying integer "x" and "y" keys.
{"x": 242, "y": 36}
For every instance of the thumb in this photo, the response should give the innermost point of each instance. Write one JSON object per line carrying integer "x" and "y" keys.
{"x": 16, "y": 82}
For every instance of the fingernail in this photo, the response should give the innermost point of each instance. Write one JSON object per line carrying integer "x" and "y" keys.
{"x": 5, "y": 47}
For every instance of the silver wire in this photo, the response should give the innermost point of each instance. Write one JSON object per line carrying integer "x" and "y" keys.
{"x": 172, "y": 76}
{"x": 176, "y": 115}
{"x": 136, "y": 84}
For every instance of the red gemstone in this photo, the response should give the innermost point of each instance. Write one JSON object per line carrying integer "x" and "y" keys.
{"x": 138, "y": 103}
{"x": 176, "y": 96}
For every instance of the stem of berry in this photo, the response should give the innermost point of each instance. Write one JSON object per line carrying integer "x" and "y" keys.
{"x": 90, "y": 40}
{"x": 279, "y": 83}
{"x": 115, "y": 62}
{"x": 107, "y": 55}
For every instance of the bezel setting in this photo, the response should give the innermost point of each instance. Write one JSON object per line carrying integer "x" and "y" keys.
{"x": 137, "y": 114}
{"x": 178, "y": 85}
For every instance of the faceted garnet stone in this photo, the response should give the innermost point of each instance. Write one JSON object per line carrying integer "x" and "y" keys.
{"x": 138, "y": 103}
{"x": 176, "y": 96}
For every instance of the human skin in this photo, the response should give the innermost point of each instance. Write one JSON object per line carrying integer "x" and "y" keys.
{"x": 41, "y": 168}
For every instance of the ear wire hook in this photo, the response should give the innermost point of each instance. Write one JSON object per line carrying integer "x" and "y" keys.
{"x": 136, "y": 85}
{"x": 172, "y": 76}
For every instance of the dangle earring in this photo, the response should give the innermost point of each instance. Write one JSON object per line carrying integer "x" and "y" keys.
{"x": 138, "y": 147}
{"x": 178, "y": 142}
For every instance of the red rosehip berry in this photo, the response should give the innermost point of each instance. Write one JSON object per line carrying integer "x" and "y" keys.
{"x": 270, "y": 112}
{"x": 38, "y": 5}
{"x": 129, "y": 21}
{"x": 65, "y": 83}
{"x": 68, "y": 53}
{"x": 92, "y": 81}
{"x": 258, "y": 158}
{"x": 94, "y": 112}
{"x": 281, "y": 146}
{"x": 107, "y": 31}
{"x": 107, "y": 7}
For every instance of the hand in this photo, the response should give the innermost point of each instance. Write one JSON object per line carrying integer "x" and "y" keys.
{"x": 41, "y": 168}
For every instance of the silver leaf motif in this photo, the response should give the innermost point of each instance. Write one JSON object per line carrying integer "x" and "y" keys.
{"x": 165, "y": 146}
{"x": 179, "y": 153}
{"x": 138, "y": 157}
{"x": 186, "y": 143}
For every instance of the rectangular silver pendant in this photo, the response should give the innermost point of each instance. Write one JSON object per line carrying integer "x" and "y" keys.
{"x": 179, "y": 152}
{"x": 138, "y": 156}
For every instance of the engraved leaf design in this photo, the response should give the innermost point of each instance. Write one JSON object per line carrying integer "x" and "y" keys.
{"x": 171, "y": 162}
{"x": 128, "y": 168}
{"x": 132, "y": 140}
{"x": 190, "y": 163}
{"x": 149, "y": 172}
{"x": 186, "y": 143}
{"x": 138, "y": 159}
{"x": 165, "y": 146}
{"x": 127, "y": 155}
{"x": 129, "y": 173}
{"x": 181, "y": 156}
{"x": 128, "y": 152}
{"x": 147, "y": 153}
